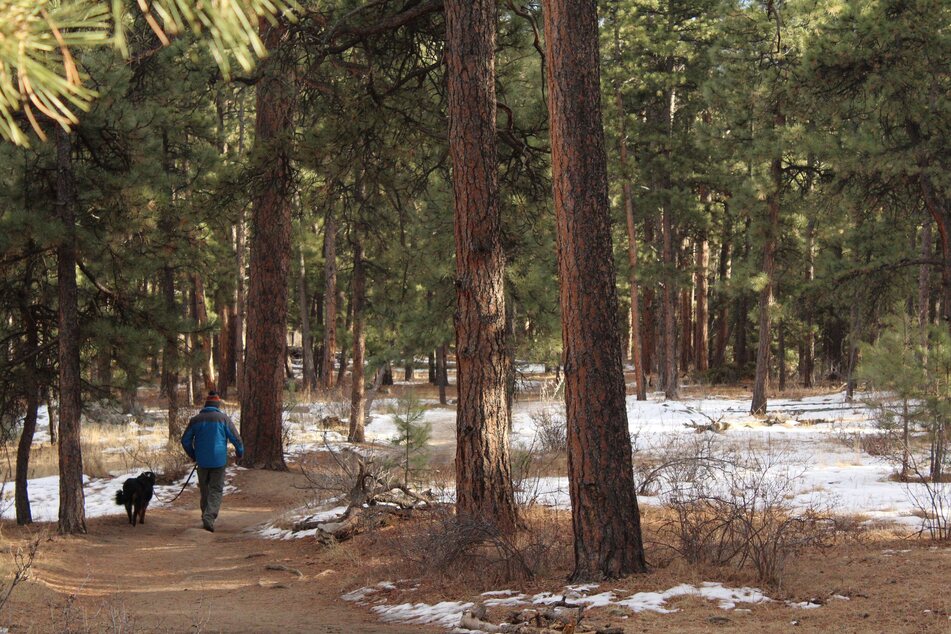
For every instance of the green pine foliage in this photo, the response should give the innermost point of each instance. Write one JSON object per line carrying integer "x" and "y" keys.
{"x": 414, "y": 433}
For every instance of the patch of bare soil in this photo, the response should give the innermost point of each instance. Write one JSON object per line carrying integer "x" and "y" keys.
{"x": 869, "y": 582}
{"x": 170, "y": 575}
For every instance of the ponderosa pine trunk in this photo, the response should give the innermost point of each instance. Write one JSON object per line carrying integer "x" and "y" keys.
{"x": 628, "y": 200}
{"x": 72, "y": 511}
{"x": 203, "y": 339}
{"x": 605, "y": 517}
{"x": 924, "y": 284}
{"x": 303, "y": 304}
{"x": 442, "y": 372}
{"x": 330, "y": 302}
{"x": 668, "y": 332}
{"x": 483, "y": 473}
{"x": 807, "y": 356}
{"x": 170, "y": 360}
{"x": 761, "y": 382}
{"x": 701, "y": 327}
{"x": 671, "y": 370}
{"x": 358, "y": 398}
{"x": 31, "y": 393}
{"x": 262, "y": 391}
{"x": 722, "y": 333}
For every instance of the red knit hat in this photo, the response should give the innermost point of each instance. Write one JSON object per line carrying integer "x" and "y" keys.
{"x": 213, "y": 398}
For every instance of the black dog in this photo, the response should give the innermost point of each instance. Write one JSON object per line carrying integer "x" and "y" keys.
{"x": 136, "y": 494}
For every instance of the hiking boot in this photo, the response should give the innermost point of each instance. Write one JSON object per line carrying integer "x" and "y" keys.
{"x": 208, "y": 526}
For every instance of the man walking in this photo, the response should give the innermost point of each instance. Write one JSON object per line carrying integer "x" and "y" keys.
{"x": 206, "y": 442}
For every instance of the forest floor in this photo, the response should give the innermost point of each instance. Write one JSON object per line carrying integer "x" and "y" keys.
{"x": 169, "y": 575}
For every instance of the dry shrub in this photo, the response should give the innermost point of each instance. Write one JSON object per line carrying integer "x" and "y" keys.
{"x": 473, "y": 552}
{"x": 733, "y": 508}
{"x": 551, "y": 431}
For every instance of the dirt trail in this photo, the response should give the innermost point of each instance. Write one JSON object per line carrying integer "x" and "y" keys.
{"x": 170, "y": 575}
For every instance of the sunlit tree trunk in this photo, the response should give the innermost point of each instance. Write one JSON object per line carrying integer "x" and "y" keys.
{"x": 628, "y": 199}
{"x": 358, "y": 400}
{"x": 303, "y": 303}
{"x": 262, "y": 391}
{"x": 761, "y": 383}
{"x": 483, "y": 473}
{"x": 605, "y": 517}
{"x": 72, "y": 511}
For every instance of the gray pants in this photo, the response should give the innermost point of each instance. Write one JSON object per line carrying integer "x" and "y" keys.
{"x": 211, "y": 484}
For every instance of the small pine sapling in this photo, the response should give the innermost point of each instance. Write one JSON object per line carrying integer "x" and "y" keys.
{"x": 414, "y": 434}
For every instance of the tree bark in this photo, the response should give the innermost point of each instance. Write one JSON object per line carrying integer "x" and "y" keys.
{"x": 358, "y": 400}
{"x": 330, "y": 302}
{"x": 203, "y": 337}
{"x": 483, "y": 471}
{"x": 702, "y": 328}
{"x": 72, "y": 512}
{"x": 669, "y": 334}
{"x": 807, "y": 358}
{"x": 924, "y": 281}
{"x": 170, "y": 357}
{"x": 628, "y": 199}
{"x": 31, "y": 391}
{"x": 263, "y": 389}
{"x": 605, "y": 517}
{"x": 442, "y": 373}
{"x": 761, "y": 384}
{"x": 782, "y": 356}
{"x": 303, "y": 302}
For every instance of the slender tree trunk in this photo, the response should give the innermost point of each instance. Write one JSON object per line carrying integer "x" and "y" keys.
{"x": 330, "y": 302}
{"x": 782, "y": 356}
{"x": 170, "y": 357}
{"x": 855, "y": 329}
{"x": 722, "y": 333}
{"x": 72, "y": 512}
{"x": 303, "y": 302}
{"x": 431, "y": 367}
{"x": 31, "y": 391}
{"x": 924, "y": 282}
{"x": 240, "y": 311}
{"x": 442, "y": 373}
{"x": 686, "y": 316}
{"x": 483, "y": 472}
{"x": 628, "y": 198}
{"x": 669, "y": 353}
{"x": 807, "y": 358}
{"x": 605, "y": 517}
{"x": 761, "y": 384}
{"x": 52, "y": 410}
{"x": 225, "y": 348}
{"x": 701, "y": 332}
{"x": 204, "y": 336}
{"x": 358, "y": 401}
{"x": 263, "y": 389}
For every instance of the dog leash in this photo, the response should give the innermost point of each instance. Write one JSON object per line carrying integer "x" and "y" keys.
{"x": 187, "y": 480}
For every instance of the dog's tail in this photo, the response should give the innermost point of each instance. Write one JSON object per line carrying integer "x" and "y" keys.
{"x": 120, "y": 498}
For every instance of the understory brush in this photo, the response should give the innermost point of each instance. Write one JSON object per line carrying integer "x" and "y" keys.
{"x": 473, "y": 553}
{"x": 734, "y": 507}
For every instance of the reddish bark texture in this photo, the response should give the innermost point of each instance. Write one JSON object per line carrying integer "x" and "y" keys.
{"x": 72, "y": 511}
{"x": 262, "y": 393}
{"x": 358, "y": 401}
{"x": 702, "y": 330}
{"x": 628, "y": 197}
{"x": 761, "y": 383}
{"x": 605, "y": 518}
{"x": 483, "y": 473}
{"x": 330, "y": 303}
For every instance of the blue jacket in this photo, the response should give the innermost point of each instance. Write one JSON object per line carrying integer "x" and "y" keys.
{"x": 206, "y": 438}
